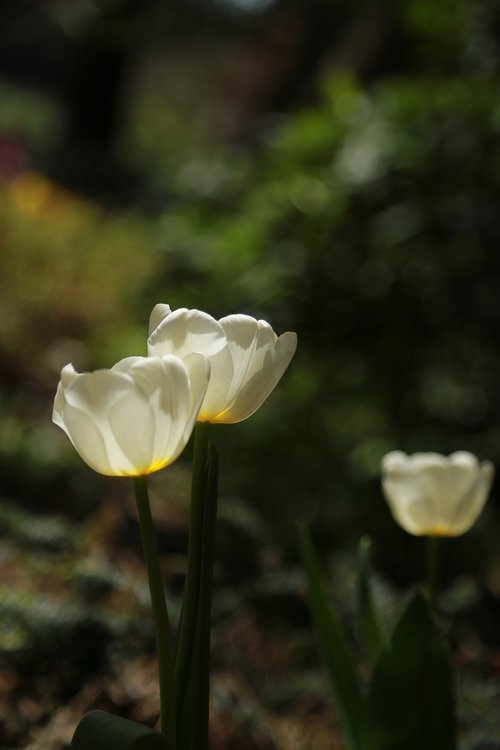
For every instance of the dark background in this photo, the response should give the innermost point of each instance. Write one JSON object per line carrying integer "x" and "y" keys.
{"x": 331, "y": 167}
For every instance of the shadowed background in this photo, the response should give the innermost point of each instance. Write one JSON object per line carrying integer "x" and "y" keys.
{"x": 331, "y": 167}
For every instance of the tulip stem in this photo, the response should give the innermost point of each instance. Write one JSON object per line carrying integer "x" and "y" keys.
{"x": 432, "y": 568}
{"x": 202, "y": 700}
{"x": 190, "y": 601}
{"x": 159, "y": 608}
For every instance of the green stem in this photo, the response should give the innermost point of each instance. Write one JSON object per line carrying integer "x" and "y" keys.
{"x": 190, "y": 600}
{"x": 432, "y": 569}
{"x": 202, "y": 700}
{"x": 159, "y": 608}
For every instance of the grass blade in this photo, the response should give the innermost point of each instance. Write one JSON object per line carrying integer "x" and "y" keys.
{"x": 335, "y": 651}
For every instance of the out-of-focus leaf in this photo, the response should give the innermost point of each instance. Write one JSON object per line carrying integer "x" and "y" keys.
{"x": 410, "y": 705}
{"x": 371, "y": 629}
{"x": 335, "y": 651}
{"x": 99, "y": 730}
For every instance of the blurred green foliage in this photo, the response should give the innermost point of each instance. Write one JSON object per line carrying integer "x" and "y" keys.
{"x": 369, "y": 225}
{"x": 367, "y": 221}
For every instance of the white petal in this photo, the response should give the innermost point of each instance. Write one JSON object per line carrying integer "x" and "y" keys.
{"x": 58, "y": 408}
{"x": 473, "y": 503}
{"x": 132, "y": 419}
{"x": 419, "y": 460}
{"x": 407, "y": 497}
{"x": 89, "y": 440}
{"x": 95, "y": 391}
{"x": 126, "y": 365}
{"x": 158, "y": 313}
{"x": 447, "y": 484}
{"x": 68, "y": 375}
{"x": 164, "y": 382}
{"x": 261, "y": 380}
{"x": 96, "y": 394}
{"x": 175, "y": 406}
{"x": 132, "y": 427}
{"x": 246, "y": 357}
{"x": 198, "y": 367}
{"x": 186, "y": 331}
{"x": 221, "y": 377}
{"x": 242, "y": 335}
{"x": 395, "y": 460}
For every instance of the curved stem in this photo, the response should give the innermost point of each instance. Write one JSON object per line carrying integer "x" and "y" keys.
{"x": 159, "y": 607}
{"x": 190, "y": 600}
{"x": 432, "y": 569}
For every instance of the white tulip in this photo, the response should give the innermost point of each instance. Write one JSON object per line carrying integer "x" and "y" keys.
{"x": 135, "y": 418}
{"x": 247, "y": 358}
{"x": 434, "y": 495}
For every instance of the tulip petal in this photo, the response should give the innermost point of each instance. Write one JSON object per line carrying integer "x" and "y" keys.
{"x": 158, "y": 313}
{"x": 242, "y": 334}
{"x": 447, "y": 481}
{"x": 103, "y": 395}
{"x": 221, "y": 377}
{"x": 262, "y": 380}
{"x": 135, "y": 418}
{"x": 183, "y": 332}
{"x": 471, "y": 505}
{"x": 132, "y": 424}
{"x": 246, "y": 357}
{"x": 164, "y": 390}
{"x": 87, "y": 439}
{"x": 198, "y": 367}
{"x": 68, "y": 375}
{"x": 407, "y": 499}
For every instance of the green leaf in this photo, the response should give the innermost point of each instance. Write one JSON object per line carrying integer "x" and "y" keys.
{"x": 371, "y": 630}
{"x": 99, "y": 730}
{"x": 410, "y": 705}
{"x": 336, "y": 654}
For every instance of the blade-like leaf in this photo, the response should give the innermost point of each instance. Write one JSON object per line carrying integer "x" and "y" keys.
{"x": 410, "y": 705}
{"x": 336, "y": 655}
{"x": 99, "y": 730}
{"x": 371, "y": 630}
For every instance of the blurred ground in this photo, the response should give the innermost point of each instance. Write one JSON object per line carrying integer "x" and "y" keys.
{"x": 76, "y": 635}
{"x": 77, "y": 630}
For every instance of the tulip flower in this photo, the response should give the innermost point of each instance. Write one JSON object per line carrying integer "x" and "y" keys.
{"x": 135, "y": 418}
{"x": 434, "y": 495}
{"x": 247, "y": 358}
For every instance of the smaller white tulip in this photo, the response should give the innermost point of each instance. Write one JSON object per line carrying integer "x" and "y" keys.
{"x": 247, "y": 358}
{"x": 135, "y": 418}
{"x": 434, "y": 495}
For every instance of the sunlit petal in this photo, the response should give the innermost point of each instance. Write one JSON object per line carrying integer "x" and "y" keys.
{"x": 183, "y": 332}
{"x": 135, "y": 418}
{"x": 247, "y": 359}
